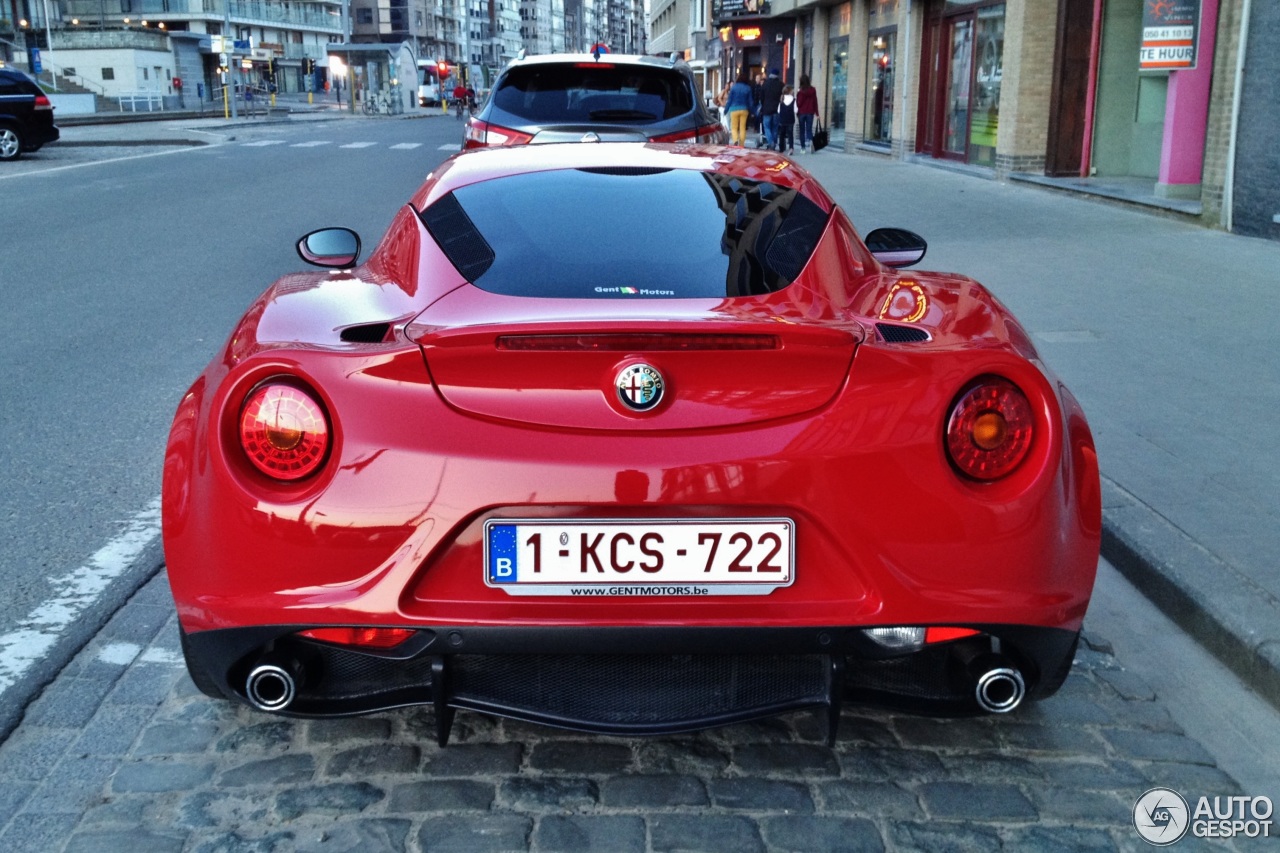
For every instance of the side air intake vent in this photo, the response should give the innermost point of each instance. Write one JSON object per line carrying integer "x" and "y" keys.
{"x": 458, "y": 237}
{"x": 894, "y": 334}
{"x": 369, "y": 333}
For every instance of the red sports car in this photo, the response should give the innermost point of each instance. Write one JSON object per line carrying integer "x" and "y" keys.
{"x": 629, "y": 438}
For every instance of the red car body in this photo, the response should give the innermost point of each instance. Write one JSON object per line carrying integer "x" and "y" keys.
{"x": 825, "y": 404}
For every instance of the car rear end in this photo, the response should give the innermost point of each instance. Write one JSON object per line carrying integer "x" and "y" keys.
{"x": 680, "y": 486}
{"x": 26, "y": 116}
{"x": 575, "y": 98}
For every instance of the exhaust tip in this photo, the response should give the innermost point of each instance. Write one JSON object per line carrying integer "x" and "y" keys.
{"x": 270, "y": 687}
{"x": 1000, "y": 690}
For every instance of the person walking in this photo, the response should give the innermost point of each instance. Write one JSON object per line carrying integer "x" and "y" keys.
{"x": 770, "y": 96}
{"x": 806, "y": 112}
{"x": 787, "y": 122}
{"x": 737, "y": 103}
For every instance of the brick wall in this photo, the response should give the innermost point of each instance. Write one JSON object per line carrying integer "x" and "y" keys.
{"x": 1218, "y": 122}
{"x": 1257, "y": 178}
{"x": 1029, "y": 37}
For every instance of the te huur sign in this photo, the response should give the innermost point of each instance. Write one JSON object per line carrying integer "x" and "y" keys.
{"x": 1169, "y": 34}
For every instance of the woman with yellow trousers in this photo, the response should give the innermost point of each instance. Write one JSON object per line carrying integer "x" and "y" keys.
{"x": 736, "y": 101}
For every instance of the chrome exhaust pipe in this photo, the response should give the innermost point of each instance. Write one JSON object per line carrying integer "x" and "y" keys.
{"x": 273, "y": 683}
{"x": 1000, "y": 688}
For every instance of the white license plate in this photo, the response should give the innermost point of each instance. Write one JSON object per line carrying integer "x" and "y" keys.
{"x": 639, "y": 557}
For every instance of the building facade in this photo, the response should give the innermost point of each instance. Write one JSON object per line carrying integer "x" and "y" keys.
{"x": 1173, "y": 100}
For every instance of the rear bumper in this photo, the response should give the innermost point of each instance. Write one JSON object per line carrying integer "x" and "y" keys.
{"x": 38, "y": 135}
{"x": 633, "y": 680}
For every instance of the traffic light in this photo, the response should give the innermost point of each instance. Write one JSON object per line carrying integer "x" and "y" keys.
{"x": 308, "y": 66}
{"x": 271, "y": 68}
{"x": 443, "y": 68}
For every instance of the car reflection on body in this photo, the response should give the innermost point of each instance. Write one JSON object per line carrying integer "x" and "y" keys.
{"x": 633, "y": 439}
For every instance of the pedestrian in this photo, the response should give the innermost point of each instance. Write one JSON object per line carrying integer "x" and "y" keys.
{"x": 737, "y": 103}
{"x": 806, "y": 112}
{"x": 787, "y": 122}
{"x": 770, "y": 97}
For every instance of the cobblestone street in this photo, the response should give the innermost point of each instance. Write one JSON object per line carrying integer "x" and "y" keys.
{"x": 122, "y": 753}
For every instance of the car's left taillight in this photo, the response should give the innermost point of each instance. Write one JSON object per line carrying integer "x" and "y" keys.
{"x": 481, "y": 134}
{"x": 284, "y": 431}
{"x": 43, "y": 103}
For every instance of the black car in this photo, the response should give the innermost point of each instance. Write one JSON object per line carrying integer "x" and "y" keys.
{"x": 593, "y": 98}
{"x": 26, "y": 116}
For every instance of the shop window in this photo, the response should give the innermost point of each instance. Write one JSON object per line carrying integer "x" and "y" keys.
{"x": 880, "y": 94}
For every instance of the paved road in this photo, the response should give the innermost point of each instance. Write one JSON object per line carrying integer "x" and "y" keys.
{"x": 125, "y": 266}
{"x": 123, "y": 754}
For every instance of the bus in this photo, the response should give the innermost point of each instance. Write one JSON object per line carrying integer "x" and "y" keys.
{"x": 429, "y": 71}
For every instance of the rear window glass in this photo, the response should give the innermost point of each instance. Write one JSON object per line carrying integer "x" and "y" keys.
{"x": 546, "y": 94}
{"x": 626, "y": 234}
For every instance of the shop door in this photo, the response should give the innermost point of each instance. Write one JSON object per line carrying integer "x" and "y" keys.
{"x": 970, "y": 69}
{"x": 958, "y": 41}
{"x": 834, "y": 116}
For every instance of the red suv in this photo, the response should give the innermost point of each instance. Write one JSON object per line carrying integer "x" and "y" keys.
{"x": 26, "y": 116}
{"x": 587, "y": 98}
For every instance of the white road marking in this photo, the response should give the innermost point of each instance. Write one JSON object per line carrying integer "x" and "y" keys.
{"x": 357, "y": 145}
{"x": 73, "y": 593}
{"x": 185, "y": 149}
{"x": 312, "y": 144}
{"x": 450, "y": 148}
{"x": 261, "y": 142}
{"x": 119, "y": 654}
{"x": 405, "y": 146}
{"x": 164, "y": 656}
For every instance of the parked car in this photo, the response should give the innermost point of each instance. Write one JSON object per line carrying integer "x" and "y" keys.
{"x": 26, "y": 115}
{"x": 585, "y": 97}
{"x": 628, "y": 438}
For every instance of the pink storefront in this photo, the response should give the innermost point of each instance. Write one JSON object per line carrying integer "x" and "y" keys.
{"x": 1149, "y": 86}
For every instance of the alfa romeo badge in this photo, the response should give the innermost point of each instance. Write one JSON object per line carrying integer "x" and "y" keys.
{"x": 639, "y": 387}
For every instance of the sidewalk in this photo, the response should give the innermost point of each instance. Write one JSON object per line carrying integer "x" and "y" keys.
{"x": 1158, "y": 327}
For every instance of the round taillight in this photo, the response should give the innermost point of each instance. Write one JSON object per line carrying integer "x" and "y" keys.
{"x": 990, "y": 429}
{"x": 284, "y": 431}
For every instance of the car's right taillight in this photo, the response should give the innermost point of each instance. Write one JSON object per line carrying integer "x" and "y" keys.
{"x": 990, "y": 429}
{"x": 43, "y": 103}
{"x": 481, "y": 134}
{"x": 284, "y": 431}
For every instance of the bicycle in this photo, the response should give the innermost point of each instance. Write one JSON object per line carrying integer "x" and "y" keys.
{"x": 386, "y": 102}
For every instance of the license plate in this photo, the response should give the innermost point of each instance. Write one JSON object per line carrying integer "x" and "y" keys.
{"x": 639, "y": 557}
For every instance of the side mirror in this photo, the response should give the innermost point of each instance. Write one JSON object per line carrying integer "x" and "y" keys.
{"x": 330, "y": 247}
{"x": 896, "y": 247}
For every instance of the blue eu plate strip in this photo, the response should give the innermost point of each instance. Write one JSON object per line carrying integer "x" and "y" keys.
{"x": 502, "y": 553}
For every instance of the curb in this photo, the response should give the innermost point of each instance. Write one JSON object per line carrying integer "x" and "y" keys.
{"x": 1226, "y": 612}
{"x": 107, "y": 143}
